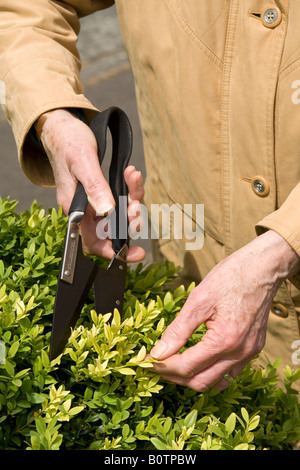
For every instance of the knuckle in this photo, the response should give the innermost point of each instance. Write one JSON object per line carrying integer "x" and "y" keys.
{"x": 175, "y": 331}
{"x": 95, "y": 185}
{"x": 199, "y": 385}
{"x": 186, "y": 371}
{"x": 232, "y": 343}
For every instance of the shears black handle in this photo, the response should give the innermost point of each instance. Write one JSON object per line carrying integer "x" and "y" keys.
{"x": 118, "y": 123}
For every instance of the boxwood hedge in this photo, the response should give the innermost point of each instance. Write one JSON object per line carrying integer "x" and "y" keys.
{"x": 102, "y": 392}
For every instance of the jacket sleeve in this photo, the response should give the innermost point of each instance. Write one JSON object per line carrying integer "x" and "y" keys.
{"x": 40, "y": 70}
{"x": 285, "y": 222}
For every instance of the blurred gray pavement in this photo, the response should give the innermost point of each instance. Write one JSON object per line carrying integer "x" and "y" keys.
{"x": 108, "y": 82}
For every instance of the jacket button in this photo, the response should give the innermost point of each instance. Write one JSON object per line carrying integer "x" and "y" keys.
{"x": 279, "y": 310}
{"x": 271, "y": 17}
{"x": 260, "y": 186}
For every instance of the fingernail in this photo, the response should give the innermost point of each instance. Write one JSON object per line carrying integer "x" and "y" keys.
{"x": 159, "y": 349}
{"x": 103, "y": 207}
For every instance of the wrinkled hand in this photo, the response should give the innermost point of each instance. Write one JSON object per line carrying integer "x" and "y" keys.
{"x": 72, "y": 151}
{"x": 234, "y": 301}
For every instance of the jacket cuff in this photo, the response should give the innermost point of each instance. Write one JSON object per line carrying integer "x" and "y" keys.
{"x": 23, "y": 109}
{"x": 286, "y": 223}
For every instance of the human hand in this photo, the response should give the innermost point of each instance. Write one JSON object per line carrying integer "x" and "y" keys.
{"x": 72, "y": 151}
{"x": 234, "y": 301}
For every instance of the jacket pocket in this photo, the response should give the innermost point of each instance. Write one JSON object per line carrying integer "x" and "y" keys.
{"x": 205, "y": 23}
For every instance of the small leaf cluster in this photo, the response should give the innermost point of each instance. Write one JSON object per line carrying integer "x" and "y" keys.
{"x": 102, "y": 392}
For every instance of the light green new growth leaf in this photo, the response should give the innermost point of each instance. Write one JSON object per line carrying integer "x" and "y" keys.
{"x": 139, "y": 319}
{"x": 116, "y": 318}
{"x": 142, "y": 354}
{"x": 230, "y": 423}
{"x": 253, "y": 423}
{"x": 108, "y": 333}
{"x": 168, "y": 298}
{"x": 245, "y": 415}
{"x": 126, "y": 371}
{"x": 242, "y": 446}
{"x": 67, "y": 405}
{"x": 3, "y": 295}
{"x": 75, "y": 410}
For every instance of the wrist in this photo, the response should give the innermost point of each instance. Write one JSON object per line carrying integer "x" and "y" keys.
{"x": 281, "y": 259}
{"x": 39, "y": 123}
{"x": 56, "y": 116}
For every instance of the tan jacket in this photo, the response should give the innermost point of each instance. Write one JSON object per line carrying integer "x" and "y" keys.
{"x": 217, "y": 89}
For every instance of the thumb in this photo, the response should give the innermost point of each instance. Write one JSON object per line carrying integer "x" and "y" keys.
{"x": 98, "y": 191}
{"x": 99, "y": 194}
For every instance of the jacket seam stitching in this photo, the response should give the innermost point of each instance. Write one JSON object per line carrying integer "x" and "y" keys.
{"x": 225, "y": 111}
{"x": 289, "y": 69}
{"x": 271, "y": 161}
{"x": 212, "y": 233}
{"x": 192, "y": 35}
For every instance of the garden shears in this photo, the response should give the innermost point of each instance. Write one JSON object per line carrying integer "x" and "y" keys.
{"x": 77, "y": 272}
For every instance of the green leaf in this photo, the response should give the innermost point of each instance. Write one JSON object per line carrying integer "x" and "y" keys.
{"x": 158, "y": 444}
{"x": 35, "y": 440}
{"x": 217, "y": 430}
{"x": 245, "y": 415}
{"x": 125, "y": 431}
{"x": 230, "y": 423}
{"x": 36, "y": 398}
{"x": 253, "y": 423}
{"x": 190, "y": 419}
{"x": 126, "y": 371}
{"x": 75, "y": 410}
{"x": 9, "y": 368}
{"x": 45, "y": 359}
{"x": 168, "y": 298}
{"x": 17, "y": 382}
{"x": 13, "y": 349}
{"x": 167, "y": 425}
{"x": 242, "y": 446}
{"x": 40, "y": 425}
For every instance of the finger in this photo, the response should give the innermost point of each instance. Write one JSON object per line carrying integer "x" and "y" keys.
{"x": 134, "y": 181}
{"x": 135, "y": 254}
{"x": 97, "y": 189}
{"x": 136, "y": 219}
{"x": 92, "y": 243}
{"x": 192, "y": 360}
{"x": 181, "y": 328}
{"x": 136, "y": 223}
{"x": 102, "y": 246}
{"x": 212, "y": 377}
{"x": 234, "y": 372}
